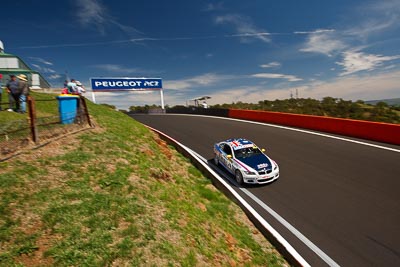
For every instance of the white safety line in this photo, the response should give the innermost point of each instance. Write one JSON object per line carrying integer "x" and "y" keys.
{"x": 297, "y": 130}
{"x": 263, "y": 222}
{"x": 328, "y": 260}
{"x": 293, "y": 230}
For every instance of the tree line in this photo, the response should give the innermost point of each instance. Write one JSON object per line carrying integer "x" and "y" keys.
{"x": 328, "y": 106}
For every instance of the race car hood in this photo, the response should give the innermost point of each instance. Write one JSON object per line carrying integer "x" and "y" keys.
{"x": 257, "y": 162}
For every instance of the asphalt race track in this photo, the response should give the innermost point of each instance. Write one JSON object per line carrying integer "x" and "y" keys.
{"x": 344, "y": 197}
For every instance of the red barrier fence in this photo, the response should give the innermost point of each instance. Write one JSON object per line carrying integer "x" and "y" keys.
{"x": 377, "y": 131}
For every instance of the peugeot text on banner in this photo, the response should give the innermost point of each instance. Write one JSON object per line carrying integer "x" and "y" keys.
{"x": 123, "y": 84}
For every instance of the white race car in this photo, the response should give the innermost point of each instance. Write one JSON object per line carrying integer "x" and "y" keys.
{"x": 246, "y": 161}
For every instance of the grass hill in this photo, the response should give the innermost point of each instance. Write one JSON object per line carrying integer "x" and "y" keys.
{"x": 117, "y": 195}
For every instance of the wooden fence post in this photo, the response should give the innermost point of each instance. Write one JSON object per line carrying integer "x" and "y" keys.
{"x": 32, "y": 119}
{"x": 83, "y": 101}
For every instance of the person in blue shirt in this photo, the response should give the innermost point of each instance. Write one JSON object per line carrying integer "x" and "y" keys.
{"x": 13, "y": 93}
{"x": 24, "y": 89}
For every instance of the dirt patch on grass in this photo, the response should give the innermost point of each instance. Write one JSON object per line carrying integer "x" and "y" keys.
{"x": 163, "y": 146}
{"x": 37, "y": 257}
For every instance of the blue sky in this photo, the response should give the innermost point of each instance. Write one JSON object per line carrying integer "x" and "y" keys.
{"x": 230, "y": 50}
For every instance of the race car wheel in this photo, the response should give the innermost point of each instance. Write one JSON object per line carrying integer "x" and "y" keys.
{"x": 239, "y": 177}
{"x": 216, "y": 161}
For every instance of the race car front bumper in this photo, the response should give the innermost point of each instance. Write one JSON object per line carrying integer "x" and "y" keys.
{"x": 261, "y": 179}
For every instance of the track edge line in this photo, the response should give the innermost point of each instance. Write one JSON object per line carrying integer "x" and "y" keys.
{"x": 287, "y": 250}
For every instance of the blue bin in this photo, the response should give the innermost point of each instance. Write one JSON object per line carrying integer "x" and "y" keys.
{"x": 67, "y": 107}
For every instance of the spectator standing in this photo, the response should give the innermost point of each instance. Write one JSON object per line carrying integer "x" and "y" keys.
{"x": 1, "y": 89}
{"x": 13, "y": 93}
{"x": 80, "y": 88}
{"x": 24, "y": 89}
{"x": 64, "y": 91}
{"x": 72, "y": 87}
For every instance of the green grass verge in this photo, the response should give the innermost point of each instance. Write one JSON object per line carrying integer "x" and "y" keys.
{"x": 46, "y": 105}
{"x": 117, "y": 195}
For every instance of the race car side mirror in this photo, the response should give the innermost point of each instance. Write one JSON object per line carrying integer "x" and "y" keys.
{"x": 262, "y": 149}
{"x": 229, "y": 156}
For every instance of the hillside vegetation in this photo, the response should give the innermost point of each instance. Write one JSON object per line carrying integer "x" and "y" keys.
{"x": 117, "y": 195}
{"x": 328, "y": 106}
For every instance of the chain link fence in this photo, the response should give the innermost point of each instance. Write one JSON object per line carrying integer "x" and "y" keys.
{"x": 43, "y": 122}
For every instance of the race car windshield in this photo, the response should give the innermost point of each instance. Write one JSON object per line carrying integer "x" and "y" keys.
{"x": 247, "y": 152}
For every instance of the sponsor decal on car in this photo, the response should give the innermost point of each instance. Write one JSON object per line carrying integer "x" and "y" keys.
{"x": 264, "y": 165}
{"x": 242, "y": 146}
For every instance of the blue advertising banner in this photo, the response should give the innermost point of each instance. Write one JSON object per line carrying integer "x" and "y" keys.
{"x": 124, "y": 84}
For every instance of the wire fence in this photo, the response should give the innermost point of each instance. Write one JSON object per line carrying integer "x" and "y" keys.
{"x": 46, "y": 119}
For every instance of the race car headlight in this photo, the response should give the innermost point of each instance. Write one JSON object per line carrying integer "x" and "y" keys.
{"x": 276, "y": 165}
{"x": 249, "y": 173}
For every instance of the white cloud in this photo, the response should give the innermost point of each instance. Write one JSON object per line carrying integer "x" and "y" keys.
{"x": 324, "y": 43}
{"x": 214, "y": 6}
{"x": 367, "y": 87}
{"x": 48, "y": 70}
{"x": 200, "y": 80}
{"x": 94, "y": 13}
{"x": 91, "y": 12}
{"x": 271, "y": 65}
{"x": 55, "y": 77}
{"x": 290, "y": 78}
{"x": 355, "y": 61}
{"x": 43, "y": 69}
{"x": 370, "y": 27}
{"x": 115, "y": 68}
{"x": 382, "y": 86}
{"x": 377, "y": 17}
{"x": 244, "y": 27}
{"x": 41, "y": 60}
{"x": 315, "y": 31}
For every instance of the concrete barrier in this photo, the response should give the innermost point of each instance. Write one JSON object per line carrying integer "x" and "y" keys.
{"x": 376, "y": 131}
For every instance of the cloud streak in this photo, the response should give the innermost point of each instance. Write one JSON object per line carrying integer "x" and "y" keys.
{"x": 115, "y": 68}
{"x": 55, "y": 77}
{"x": 244, "y": 27}
{"x": 315, "y": 32}
{"x": 384, "y": 85}
{"x": 94, "y": 13}
{"x": 41, "y": 60}
{"x": 323, "y": 42}
{"x": 378, "y": 17}
{"x": 355, "y": 61}
{"x": 290, "y": 78}
{"x": 271, "y": 65}
{"x": 206, "y": 79}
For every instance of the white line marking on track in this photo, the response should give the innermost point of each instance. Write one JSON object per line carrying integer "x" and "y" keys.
{"x": 297, "y": 130}
{"x": 328, "y": 260}
{"x": 263, "y": 222}
{"x": 293, "y": 230}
